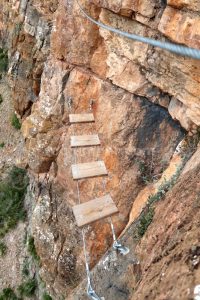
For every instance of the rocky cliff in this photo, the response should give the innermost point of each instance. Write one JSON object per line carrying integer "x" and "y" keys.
{"x": 147, "y": 109}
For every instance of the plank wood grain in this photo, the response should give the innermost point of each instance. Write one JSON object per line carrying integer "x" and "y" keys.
{"x": 91, "y": 169}
{"x": 85, "y": 140}
{"x": 81, "y": 118}
{"x": 94, "y": 210}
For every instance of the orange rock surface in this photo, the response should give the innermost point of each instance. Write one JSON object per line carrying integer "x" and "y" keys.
{"x": 143, "y": 100}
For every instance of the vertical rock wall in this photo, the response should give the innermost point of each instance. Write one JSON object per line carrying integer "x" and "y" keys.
{"x": 138, "y": 91}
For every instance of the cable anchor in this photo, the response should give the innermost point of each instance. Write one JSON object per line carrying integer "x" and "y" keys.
{"x": 91, "y": 104}
{"x": 119, "y": 247}
{"x": 90, "y": 291}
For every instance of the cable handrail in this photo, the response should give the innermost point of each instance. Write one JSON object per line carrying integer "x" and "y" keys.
{"x": 172, "y": 47}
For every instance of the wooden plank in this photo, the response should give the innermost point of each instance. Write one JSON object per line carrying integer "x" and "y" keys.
{"x": 81, "y": 118}
{"x": 94, "y": 210}
{"x": 85, "y": 140}
{"x": 92, "y": 169}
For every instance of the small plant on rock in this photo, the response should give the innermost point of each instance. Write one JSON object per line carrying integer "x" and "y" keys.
{"x": 2, "y": 145}
{"x": 3, "y": 60}
{"x": 3, "y": 249}
{"x": 15, "y": 122}
{"x": 46, "y": 297}
{"x": 145, "y": 221}
{"x": 25, "y": 268}
{"x": 32, "y": 249}
{"x": 147, "y": 215}
{"x": 28, "y": 288}
{"x": 12, "y": 194}
{"x": 8, "y": 294}
{"x": 146, "y": 168}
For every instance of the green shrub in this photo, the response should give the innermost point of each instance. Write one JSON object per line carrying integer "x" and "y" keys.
{"x": 1, "y": 99}
{"x": 12, "y": 194}
{"x": 27, "y": 289}
{"x": 2, "y": 145}
{"x": 145, "y": 221}
{"x": 146, "y": 171}
{"x": 46, "y": 297}
{"x": 8, "y": 294}
{"x": 3, "y": 248}
{"x": 147, "y": 216}
{"x": 31, "y": 248}
{"x": 25, "y": 269}
{"x": 3, "y": 60}
{"x": 15, "y": 122}
{"x": 165, "y": 187}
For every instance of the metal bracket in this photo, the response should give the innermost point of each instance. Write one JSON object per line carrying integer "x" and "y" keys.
{"x": 70, "y": 102}
{"x": 122, "y": 250}
{"x": 91, "y": 103}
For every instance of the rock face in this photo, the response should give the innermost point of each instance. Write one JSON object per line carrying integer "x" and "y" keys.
{"x": 121, "y": 121}
{"x": 174, "y": 246}
{"x": 191, "y": 5}
{"x": 26, "y": 33}
{"x": 143, "y": 98}
{"x": 165, "y": 263}
{"x": 182, "y": 28}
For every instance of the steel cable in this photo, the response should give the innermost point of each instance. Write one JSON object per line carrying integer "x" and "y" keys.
{"x": 172, "y": 47}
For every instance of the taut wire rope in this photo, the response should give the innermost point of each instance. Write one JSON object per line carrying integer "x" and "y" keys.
{"x": 172, "y": 47}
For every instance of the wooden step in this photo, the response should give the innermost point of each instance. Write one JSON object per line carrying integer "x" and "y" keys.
{"x": 81, "y": 118}
{"x": 85, "y": 140}
{"x": 94, "y": 210}
{"x": 92, "y": 169}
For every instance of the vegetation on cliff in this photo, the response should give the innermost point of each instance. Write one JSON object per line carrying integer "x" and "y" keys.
{"x": 32, "y": 249}
{"x": 1, "y": 99}
{"x": 8, "y": 294}
{"x": 12, "y": 194}
{"x": 27, "y": 289}
{"x": 15, "y": 122}
{"x": 3, "y": 61}
{"x": 3, "y": 248}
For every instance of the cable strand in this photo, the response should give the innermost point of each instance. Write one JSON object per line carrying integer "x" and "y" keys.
{"x": 172, "y": 47}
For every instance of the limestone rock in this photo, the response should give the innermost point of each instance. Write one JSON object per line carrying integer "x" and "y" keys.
{"x": 180, "y": 112}
{"x": 165, "y": 249}
{"x": 121, "y": 73}
{"x": 42, "y": 151}
{"x": 127, "y": 7}
{"x": 27, "y": 33}
{"x": 117, "y": 59}
{"x": 117, "y": 116}
{"x": 179, "y": 77}
{"x": 98, "y": 61}
{"x": 137, "y": 90}
{"x": 167, "y": 253}
{"x": 182, "y": 28}
{"x": 46, "y": 118}
{"x": 192, "y": 163}
{"x": 189, "y": 4}
{"x": 123, "y": 54}
{"x": 79, "y": 49}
